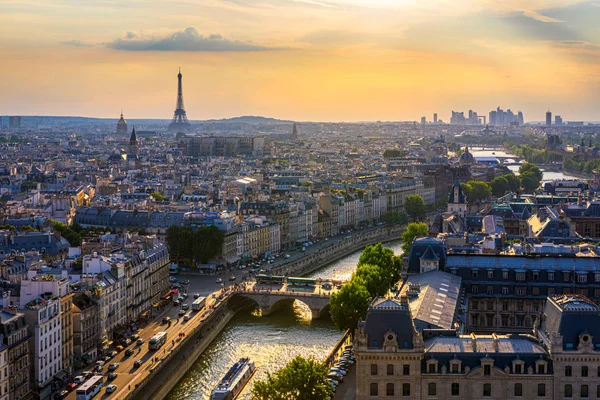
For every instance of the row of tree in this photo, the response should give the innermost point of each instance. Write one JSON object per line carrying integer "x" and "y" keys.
{"x": 529, "y": 179}
{"x": 191, "y": 246}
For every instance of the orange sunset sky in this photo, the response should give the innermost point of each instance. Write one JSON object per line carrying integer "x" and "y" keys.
{"x": 319, "y": 60}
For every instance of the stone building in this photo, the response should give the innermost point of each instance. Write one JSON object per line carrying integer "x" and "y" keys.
{"x": 86, "y": 330}
{"x": 16, "y": 337}
{"x": 558, "y": 361}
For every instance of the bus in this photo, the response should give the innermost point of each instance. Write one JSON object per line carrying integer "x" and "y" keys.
{"x": 198, "y": 304}
{"x": 157, "y": 341}
{"x": 90, "y": 388}
{"x": 270, "y": 279}
{"x": 301, "y": 282}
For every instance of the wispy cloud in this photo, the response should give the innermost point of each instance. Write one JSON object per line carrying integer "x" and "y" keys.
{"x": 76, "y": 43}
{"x": 187, "y": 40}
{"x": 539, "y": 17}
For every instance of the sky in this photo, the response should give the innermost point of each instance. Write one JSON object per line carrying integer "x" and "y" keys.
{"x": 304, "y": 60}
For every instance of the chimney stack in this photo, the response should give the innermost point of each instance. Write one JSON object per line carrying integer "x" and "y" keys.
{"x": 495, "y": 338}
{"x": 474, "y": 342}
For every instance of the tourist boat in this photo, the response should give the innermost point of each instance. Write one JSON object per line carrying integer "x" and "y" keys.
{"x": 234, "y": 380}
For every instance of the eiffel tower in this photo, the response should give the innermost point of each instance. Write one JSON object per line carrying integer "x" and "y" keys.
{"x": 179, "y": 122}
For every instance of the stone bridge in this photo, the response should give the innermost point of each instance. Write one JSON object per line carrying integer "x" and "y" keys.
{"x": 271, "y": 300}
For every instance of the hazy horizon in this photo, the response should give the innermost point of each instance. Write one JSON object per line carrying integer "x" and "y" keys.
{"x": 305, "y": 60}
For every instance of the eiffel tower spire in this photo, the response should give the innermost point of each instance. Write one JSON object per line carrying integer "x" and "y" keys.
{"x": 179, "y": 121}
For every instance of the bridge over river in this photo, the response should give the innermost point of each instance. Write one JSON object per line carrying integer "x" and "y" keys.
{"x": 270, "y": 297}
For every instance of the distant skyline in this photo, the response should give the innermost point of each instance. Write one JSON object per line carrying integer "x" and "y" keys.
{"x": 306, "y": 60}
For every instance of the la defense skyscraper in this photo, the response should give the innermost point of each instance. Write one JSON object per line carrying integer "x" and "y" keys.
{"x": 179, "y": 123}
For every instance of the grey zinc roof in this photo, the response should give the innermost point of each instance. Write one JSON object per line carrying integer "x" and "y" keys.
{"x": 484, "y": 345}
{"x": 459, "y": 261}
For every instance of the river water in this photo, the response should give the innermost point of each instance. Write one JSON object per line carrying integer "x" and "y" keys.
{"x": 270, "y": 341}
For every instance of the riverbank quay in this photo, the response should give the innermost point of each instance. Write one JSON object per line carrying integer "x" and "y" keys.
{"x": 335, "y": 251}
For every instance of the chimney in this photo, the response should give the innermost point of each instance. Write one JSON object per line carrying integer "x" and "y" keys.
{"x": 404, "y": 299}
{"x": 495, "y": 339}
{"x": 474, "y": 342}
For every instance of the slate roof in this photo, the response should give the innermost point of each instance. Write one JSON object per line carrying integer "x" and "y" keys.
{"x": 461, "y": 196}
{"x": 571, "y": 316}
{"x": 386, "y": 315}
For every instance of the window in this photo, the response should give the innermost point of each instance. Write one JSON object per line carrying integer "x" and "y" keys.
{"x": 550, "y": 276}
{"x": 431, "y": 389}
{"x": 474, "y": 274}
{"x": 474, "y": 304}
{"x": 536, "y": 276}
{"x": 406, "y": 389}
{"x": 518, "y": 369}
{"x": 535, "y": 291}
{"x": 566, "y": 276}
{"x": 490, "y": 289}
{"x": 521, "y": 276}
{"x": 569, "y": 345}
{"x": 374, "y": 390}
{"x": 568, "y": 371}
{"x": 389, "y": 389}
{"x": 390, "y": 369}
{"x": 584, "y": 391}
{"x": 454, "y": 368}
{"x": 431, "y": 368}
{"x": 455, "y": 389}
{"x": 568, "y": 391}
{"x": 487, "y": 369}
{"x": 599, "y": 371}
{"x": 487, "y": 389}
{"x": 518, "y": 389}
{"x": 474, "y": 289}
{"x": 504, "y": 320}
{"x": 598, "y": 391}
{"x": 582, "y": 278}
{"x": 490, "y": 304}
{"x": 521, "y": 291}
{"x": 490, "y": 274}
{"x": 541, "y": 389}
{"x": 373, "y": 369}
{"x": 541, "y": 369}
{"x": 504, "y": 289}
{"x": 504, "y": 274}
{"x": 406, "y": 369}
{"x": 584, "y": 371}
{"x": 520, "y": 306}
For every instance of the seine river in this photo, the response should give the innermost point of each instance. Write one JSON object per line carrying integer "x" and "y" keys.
{"x": 270, "y": 341}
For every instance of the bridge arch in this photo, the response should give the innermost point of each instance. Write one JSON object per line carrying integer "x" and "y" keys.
{"x": 271, "y": 302}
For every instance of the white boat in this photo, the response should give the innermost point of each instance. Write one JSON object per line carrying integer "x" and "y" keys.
{"x": 234, "y": 380}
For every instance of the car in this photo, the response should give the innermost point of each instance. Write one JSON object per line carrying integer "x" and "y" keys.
{"x": 187, "y": 317}
{"x": 337, "y": 377}
{"x": 137, "y": 363}
{"x": 114, "y": 353}
{"x": 185, "y": 295}
{"x": 166, "y": 320}
{"x": 111, "y": 376}
{"x": 232, "y": 278}
{"x": 119, "y": 348}
{"x": 111, "y": 388}
{"x": 107, "y": 358}
{"x": 135, "y": 337}
{"x": 287, "y": 256}
{"x": 72, "y": 386}
{"x": 61, "y": 395}
{"x": 185, "y": 306}
{"x": 176, "y": 302}
{"x": 100, "y": 363}
{"x": 337, "y": 371}
{"x": 79, "y": 379}
{"x": 219, "y": 280}
{"x": 87, "y": 374}
{"x": 128, "y": 352}
{"x": 98, "y": 368}
{"x": 113, "y": 366}
{"x": 181, "y": 312}
{"x": 140, "y": 341}
{"x": 196, "y": 295}
{"x": 127, "y": 342}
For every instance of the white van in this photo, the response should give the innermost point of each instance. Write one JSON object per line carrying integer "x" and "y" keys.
{"x": 79, "y": 379}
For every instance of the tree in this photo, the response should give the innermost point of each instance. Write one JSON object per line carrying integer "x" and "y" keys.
{"x": 391, "y": 153}
{"x": 373, "y": 278}
{"x": 529, "y": 182}
{"x": 528, "y": 167}
{"x": 499, "y": 186}
{"x": 395, "y": 218}
{"x": 415, "y": 207}
{"x": 477, "y": 192}
{"x": 301, "y": 379}
{"x": 158, "y": 196}
{"x": 384, "y": 258}
{"x": 28, "y": 228}
{"x": 413, "y": 230}
{"x": 186, "y": 245}
{"x": 349, "y": 304}
{"x": 513, "y": 182}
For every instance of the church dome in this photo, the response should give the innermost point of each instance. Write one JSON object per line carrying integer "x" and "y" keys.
{"x": 466, "y": 157}
{"x": 122, "y": 125}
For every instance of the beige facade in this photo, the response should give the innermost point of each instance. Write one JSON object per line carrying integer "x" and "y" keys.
{"x": 66, "y": 305}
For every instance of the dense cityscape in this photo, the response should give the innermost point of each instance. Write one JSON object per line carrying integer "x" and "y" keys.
{"x": 299, "y": 200}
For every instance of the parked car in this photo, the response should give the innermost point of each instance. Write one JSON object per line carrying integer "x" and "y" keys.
{"x": 100, "y": 363}
{"x": 181, "y": 312}
{"x": 176, "y": 302}
{"x": 128, "y": 352}
{"x": 87, "y": 374}
{"x": 140, "y": 341}
{"x": 111, "y": 388}
{"x": 72, "y": 386}
{"x": 135, "y": 337}
{"x": 219, "y": 280}
{"x": 114, "y": 353}
{"x": 185, "y": 306}
{"x": 113, "y": 366}
{"x": 187, "y": 317}
{"x": 98, "y": 368}
{"x": 61, "y": 395}
{"x": 79, "y": 379}
{"x": 196, "y": 295}
{"x": 111, "y": 376}
{"x": 166, "y": 320}
{"x": 137, "y": 363}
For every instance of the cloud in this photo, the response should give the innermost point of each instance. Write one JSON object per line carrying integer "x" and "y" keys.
{"x": 536, "y": 29}
{"x": 77, "y": 43}
{"x": 347, "y": 37}
{"x": 187, "y": 40}
{"x": 539, "y": 17}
